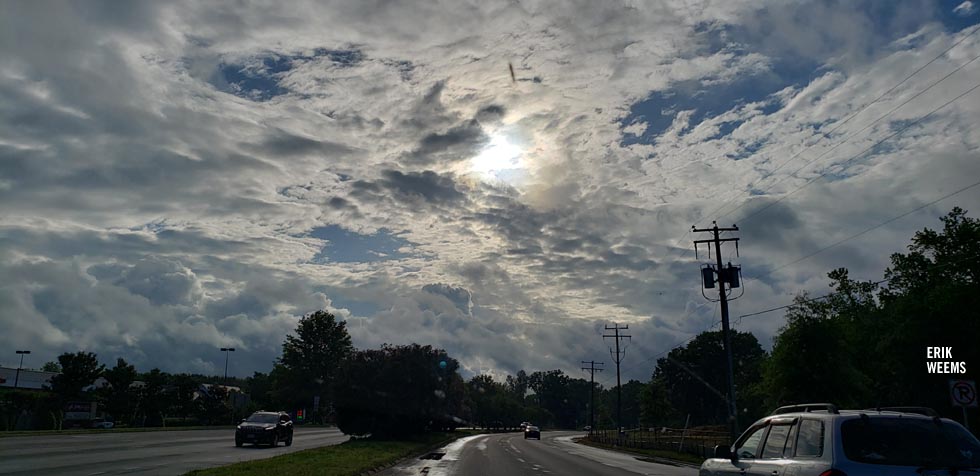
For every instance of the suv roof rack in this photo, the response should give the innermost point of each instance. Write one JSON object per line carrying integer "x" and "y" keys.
{"x": 806, "y": 407}
{"x": 919, "y": 410}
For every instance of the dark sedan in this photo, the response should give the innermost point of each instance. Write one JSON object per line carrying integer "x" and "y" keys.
{"x": 532, "y": 432}
{"x": 265, "y": 428}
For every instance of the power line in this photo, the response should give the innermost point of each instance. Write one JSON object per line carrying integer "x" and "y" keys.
{"x": 840, "y": 124}
{"x": 859, "y": 154}
{"x": 866, "y": 127}
{"x": 866, "y": 230}
{"x": 825, "y": 296}
{"x": 739, "y": 318}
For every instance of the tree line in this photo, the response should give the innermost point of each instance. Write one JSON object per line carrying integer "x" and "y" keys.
{"x": 862, "y": 346}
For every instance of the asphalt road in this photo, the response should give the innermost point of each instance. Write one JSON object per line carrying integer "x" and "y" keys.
{"x": 154, "y": 452}
{"x": 509, "y": 454}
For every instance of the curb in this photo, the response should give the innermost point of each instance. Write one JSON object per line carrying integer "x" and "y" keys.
{"x": 645, "y": 457}
{"x": 421, "y": 452}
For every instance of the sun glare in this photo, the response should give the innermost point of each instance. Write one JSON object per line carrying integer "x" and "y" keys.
{"x": 499, "y": 159}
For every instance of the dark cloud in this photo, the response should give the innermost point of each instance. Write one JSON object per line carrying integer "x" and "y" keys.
{"x": 459, "y": 296}
{"x": 427, "y": 186}
{"x": 285, "y": 143}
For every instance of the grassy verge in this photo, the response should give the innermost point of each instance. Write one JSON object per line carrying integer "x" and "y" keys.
{"x": 662, "y": 454}
{"x": 82, "y": 431}
{"x": 347, "y": 459}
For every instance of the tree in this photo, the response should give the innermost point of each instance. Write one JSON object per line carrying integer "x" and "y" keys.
{"x": 859, "y": 346}
{"x": 398, "y": 390}
{"x": 212, "y": 405}
{"x": 695, "y": 377}
{"x": 78, "y": 371}
{"x": 310, "y": 360}
{"x": 118, "y": 396}
{"x": 153, "y": 398}
{"x": 51, "y": 367}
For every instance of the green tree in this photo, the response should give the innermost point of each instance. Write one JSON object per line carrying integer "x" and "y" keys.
{"x": 696, "y": 382}
{"x": 310, "y": 359}
{"x": 51, "y": 367}
{"x": 212, "y": 405}
{"x": 78, "y": 371}
{"x": 118, "y": 396}
{"x": 399, "y": 390}
{"x": 153, "y": 398}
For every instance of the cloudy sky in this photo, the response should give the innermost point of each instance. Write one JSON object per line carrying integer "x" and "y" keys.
{"x": 178, "y": 177}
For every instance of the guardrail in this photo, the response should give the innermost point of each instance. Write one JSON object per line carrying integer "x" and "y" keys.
{"x": 695, "y": 442}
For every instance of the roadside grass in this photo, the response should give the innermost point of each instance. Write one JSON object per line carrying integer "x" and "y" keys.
{"x": 83, "y": 431}
{"x": 663, "y": 454}
{"x": 350, "y": 458}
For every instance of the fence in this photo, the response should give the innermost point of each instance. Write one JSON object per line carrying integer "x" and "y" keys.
{"x": 695, "y": 442}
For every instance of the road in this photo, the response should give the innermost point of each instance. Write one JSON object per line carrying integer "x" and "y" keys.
{"x": 152, "y": 452}
{"x": 509, "y": 454}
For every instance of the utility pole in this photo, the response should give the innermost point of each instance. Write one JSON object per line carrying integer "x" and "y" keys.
{"x": 729, "y": 275}
{"x": 591, "y": 369}
{"x": 226, "y": 350}
{"x": 618, "y": 357}
{"x": 17, "y": 376}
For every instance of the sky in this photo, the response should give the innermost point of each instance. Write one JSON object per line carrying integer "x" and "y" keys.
{"x": 176, "y": 177}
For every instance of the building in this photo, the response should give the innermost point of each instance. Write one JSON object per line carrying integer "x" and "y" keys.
{"x": 29, "y": 379}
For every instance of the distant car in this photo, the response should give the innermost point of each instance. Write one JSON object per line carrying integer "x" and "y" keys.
{"x": 524, "y": 425}
{"x": 102, "y": 424}
{"x": 821, "y": 440}
{"x": 587, "y": 428}
{"x": 532, "y": 432}
{"x": 265, "y": 428}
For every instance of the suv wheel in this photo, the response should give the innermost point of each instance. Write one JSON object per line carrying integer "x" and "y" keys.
{"x": 238, "y": 442}
{"x": 289, "y": 441}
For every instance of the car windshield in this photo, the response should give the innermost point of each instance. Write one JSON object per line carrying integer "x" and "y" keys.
{"x": 909, "y": 442}
{"x": 263, "y": 418}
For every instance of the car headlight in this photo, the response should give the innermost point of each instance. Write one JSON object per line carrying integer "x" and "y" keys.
{"x": 270, "y": 428}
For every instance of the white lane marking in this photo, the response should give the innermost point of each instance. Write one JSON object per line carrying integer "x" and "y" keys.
{"x": 521, "y": 460}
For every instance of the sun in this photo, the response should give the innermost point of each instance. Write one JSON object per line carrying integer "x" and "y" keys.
{"x": 499, "y": 160}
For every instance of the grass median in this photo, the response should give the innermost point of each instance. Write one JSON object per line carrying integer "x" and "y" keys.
{"x": 350, "y": 458}
{"x": 654, "y": 454}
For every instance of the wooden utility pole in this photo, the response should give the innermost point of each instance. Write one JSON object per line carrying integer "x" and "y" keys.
{"x": 591, "y": 369}
{"x": 618, "y": 357}
{"x": 729, "y": 275}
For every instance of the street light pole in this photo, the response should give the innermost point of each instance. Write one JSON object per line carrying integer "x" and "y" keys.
{"x": 17, "y": 376}
{"x": 226, "y": 350}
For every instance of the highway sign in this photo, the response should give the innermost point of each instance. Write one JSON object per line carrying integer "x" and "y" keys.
{"x": 963, "y": 393}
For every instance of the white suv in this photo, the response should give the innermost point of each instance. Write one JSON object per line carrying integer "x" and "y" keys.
{"x": 820, "y": 440}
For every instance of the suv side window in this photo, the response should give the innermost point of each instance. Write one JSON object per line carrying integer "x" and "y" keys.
{"x": 809, "y": 442}
{"x": 749, "y": 446}
{"x": 283, "y": 418}
{"x": 776, "y": 441}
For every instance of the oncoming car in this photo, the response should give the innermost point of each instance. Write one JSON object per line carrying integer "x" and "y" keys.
{"x": 819, "y": 439}
{"x": 265, "y": 428}
{"x": 532, "y": 431}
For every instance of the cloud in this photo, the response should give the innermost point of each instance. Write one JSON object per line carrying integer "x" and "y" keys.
{"x": 965, "y": 9}
{"x": 176, "y": 177}
{"x": 459, "y": 296}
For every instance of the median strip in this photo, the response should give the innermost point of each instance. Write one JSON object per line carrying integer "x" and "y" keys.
{"x": 350, "y": 458}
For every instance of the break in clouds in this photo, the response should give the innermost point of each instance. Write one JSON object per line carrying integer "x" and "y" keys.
{"x": 177, "y": 177}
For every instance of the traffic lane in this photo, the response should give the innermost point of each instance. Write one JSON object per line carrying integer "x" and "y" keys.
{"x": 510, "y": 454}
{"x": 158, "y": 452}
